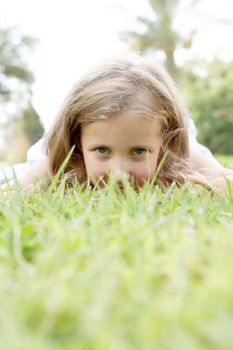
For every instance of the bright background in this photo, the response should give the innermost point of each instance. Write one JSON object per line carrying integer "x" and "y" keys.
{"x": 76, "y": 34}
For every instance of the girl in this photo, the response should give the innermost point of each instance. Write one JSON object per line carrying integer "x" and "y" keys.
{"x": 122, "y": 117}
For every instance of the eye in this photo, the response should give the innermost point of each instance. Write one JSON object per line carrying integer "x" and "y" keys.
{"x": 139, "y": 151}
{"x": 101, "y": 150}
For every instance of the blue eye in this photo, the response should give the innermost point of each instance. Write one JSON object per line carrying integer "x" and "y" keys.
{"x": 101, "y": 150}
{"x": 139, "y": 151}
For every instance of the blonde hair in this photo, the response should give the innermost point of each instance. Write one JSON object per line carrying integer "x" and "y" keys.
{"x": 110, "y": 89}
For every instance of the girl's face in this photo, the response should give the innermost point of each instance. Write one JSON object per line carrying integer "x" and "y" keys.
{"x": 126, "y": 146}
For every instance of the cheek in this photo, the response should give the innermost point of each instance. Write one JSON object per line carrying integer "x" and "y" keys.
{"x": 94, "y": 168}
{"x": 146, "y": 170}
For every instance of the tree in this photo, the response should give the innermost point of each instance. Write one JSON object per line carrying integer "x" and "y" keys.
{"x": 30, "y": 125}
{"x": 158, "y": 32}
{"x": 209, "y": 90}
{"x": 16, "y": 77}
{"x": 18, "y": 119}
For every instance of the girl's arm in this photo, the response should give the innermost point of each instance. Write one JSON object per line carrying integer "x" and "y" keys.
{"x": 211, "y": 168}
{"x": 38, "y": 171}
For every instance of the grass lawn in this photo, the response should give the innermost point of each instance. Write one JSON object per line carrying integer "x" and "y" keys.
{"x": 226, "y": 161}
{"x": 116, "y": 271}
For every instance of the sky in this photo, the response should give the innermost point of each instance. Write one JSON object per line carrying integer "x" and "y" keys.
{"x": 75, "y": 34}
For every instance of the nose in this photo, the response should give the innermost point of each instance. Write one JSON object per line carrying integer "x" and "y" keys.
{"x": 120, "y": 170}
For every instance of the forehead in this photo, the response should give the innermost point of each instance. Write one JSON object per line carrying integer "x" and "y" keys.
{"x": 127, "y": 128}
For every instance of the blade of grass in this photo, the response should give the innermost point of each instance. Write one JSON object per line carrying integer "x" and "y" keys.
{"x": 60, "y": 171}
{"x": 161, "y": 163}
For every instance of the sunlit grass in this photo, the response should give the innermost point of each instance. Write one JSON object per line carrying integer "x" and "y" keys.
{"x": 226, "y": 161}
{"x": 106, "y": 270}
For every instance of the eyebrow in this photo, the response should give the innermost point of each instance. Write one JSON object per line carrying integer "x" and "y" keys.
{"x": 102, "y": 144}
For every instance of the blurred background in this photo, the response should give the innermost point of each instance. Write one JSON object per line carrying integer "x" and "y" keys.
{"x": 45, "y": 46}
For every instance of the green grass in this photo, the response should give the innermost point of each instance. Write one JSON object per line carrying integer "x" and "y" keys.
{"x": 226, "y": 161}
{"x": 116, "y": 271}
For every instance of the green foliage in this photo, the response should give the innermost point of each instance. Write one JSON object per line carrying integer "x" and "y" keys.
{"x": 16, "y": 77}
{"x": 18, "y": 117}
{"x": 209, "y": 88}
{"x": 105, "y": 270}
{"x": 30, "y": 124}
{"x": 157, "y": 33}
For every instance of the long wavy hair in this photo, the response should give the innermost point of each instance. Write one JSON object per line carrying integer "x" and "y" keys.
{"x": 110, "y": 89}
